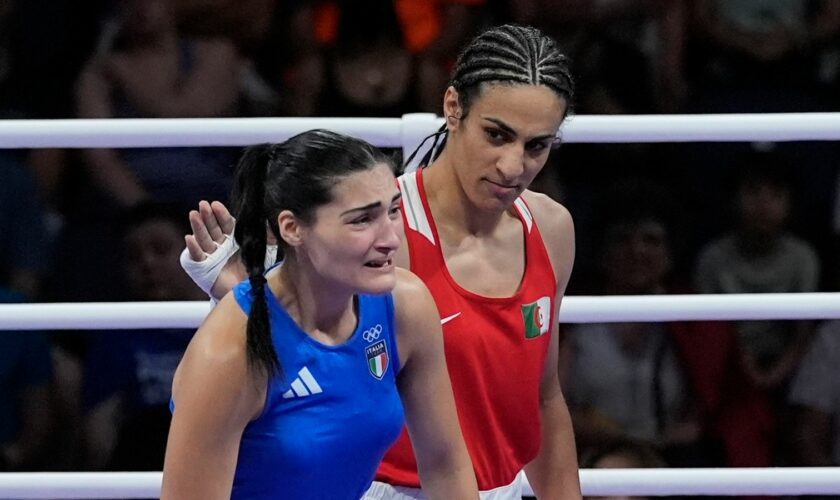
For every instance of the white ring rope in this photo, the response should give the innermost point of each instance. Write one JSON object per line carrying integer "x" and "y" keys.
{"x": 80, "y": 484}
{"x": 406, "y": 132}
{"x": 172, "y": 132}
{"x": 576, "y": 309}
{"x": 594, "y": 482}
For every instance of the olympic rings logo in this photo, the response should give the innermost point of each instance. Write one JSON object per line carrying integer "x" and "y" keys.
{"x": 372, "y": 334}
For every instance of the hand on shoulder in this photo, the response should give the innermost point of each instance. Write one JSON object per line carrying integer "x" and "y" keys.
{"x": 211, "y": 225}
{"x": 210, "y": 257}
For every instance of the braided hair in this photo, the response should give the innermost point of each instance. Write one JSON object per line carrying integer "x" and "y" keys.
{"x": 505, "y": 55}
{"x": 511, "y": 55}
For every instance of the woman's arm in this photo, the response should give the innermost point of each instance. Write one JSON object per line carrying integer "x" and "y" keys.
{"x": 108, "y": 170}
{"x": 554, "y": 472}
{"x": 442, "y": 457}
{"x": 215, "y": 396}
{"x": 209, "y": 88}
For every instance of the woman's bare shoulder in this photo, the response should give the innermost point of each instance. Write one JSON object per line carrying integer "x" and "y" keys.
{"x": 217, "y": 359}
{"x": 556, "y": 227}
{"x": 554, "y": 219}
{"x": 411, "y": 296}
{"x": 218, "y": 350}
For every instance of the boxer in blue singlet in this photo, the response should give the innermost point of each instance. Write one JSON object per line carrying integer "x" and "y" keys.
{"x": 294, "y": 386}
{"x": 335, "y": 401}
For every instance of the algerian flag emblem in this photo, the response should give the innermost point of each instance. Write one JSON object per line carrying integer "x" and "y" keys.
{"x": 377, "y": 357}
{"x": 536, "y": 316}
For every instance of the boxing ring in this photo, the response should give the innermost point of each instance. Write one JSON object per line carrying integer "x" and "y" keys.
{"x": 405, "y": 133}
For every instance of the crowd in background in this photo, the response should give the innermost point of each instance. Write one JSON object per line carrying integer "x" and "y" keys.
{"x": 108, "y": 224}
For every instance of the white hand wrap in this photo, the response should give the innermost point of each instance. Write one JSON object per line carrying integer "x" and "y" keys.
{"x": 206, "y": 272}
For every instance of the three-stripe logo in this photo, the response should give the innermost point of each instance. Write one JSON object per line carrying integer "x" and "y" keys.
{"x": 303, "y": 385}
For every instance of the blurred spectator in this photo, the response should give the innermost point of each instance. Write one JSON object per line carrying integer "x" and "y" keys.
{"x": 368, "y": 69}
{"x": 25, "y": 93}
{"x": 24, "y": 356}
{"x": 815, "y": 395}
{"x": 676, "y": 386}
{"x": 246, "y": 22}
{"x": 761, "y": 55}
{"x": 833, "y": 256}
{"x": 145, "y": 69}
{"x": 128, "y": 374}
{"x": 24, "y": 248}
{"x": 25, "y": 407}
{"x": 25, "y": 403}
{"x": 387, "y": 59}
{"x": 760, "y": 256}
{"x": 42, "y": 48}
{"x": 258, "y": 28}
{"x": 438, "y": 31}
{"x": 751, "y": 56}
{"x": 645, "y": 394}
{"x": 628, "y": 54}
{"x": 5, "y": 54}
{"x": 621, "y": 454}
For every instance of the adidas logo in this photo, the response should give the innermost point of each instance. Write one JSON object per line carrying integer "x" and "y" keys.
{"x": 303, "y": 385}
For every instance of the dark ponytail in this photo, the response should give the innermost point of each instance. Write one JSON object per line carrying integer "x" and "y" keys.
{"x": 249, "y": 205}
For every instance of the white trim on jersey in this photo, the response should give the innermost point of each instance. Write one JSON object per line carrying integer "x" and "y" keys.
{"x": 415, "y": 215}
{"x": 524, "y": 212}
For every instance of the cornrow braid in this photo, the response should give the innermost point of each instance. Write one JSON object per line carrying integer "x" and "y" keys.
{"x": 504, "y": 55}
{"x": 512, "y": 54}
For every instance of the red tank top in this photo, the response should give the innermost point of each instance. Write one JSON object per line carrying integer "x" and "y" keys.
{"x": 495, "y": 350}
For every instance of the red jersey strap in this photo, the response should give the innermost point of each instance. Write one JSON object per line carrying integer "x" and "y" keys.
{"x": 415, "y": 209}
{"x": 426, "y": 256}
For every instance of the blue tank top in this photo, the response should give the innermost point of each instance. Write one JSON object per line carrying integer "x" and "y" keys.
{"x": 333, "y": 414}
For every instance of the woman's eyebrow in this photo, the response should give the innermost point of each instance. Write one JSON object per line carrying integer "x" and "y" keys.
{"x": 502, "y": 125}
{"x": 369, "y": 206}
{"x": 509, "y": 130}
